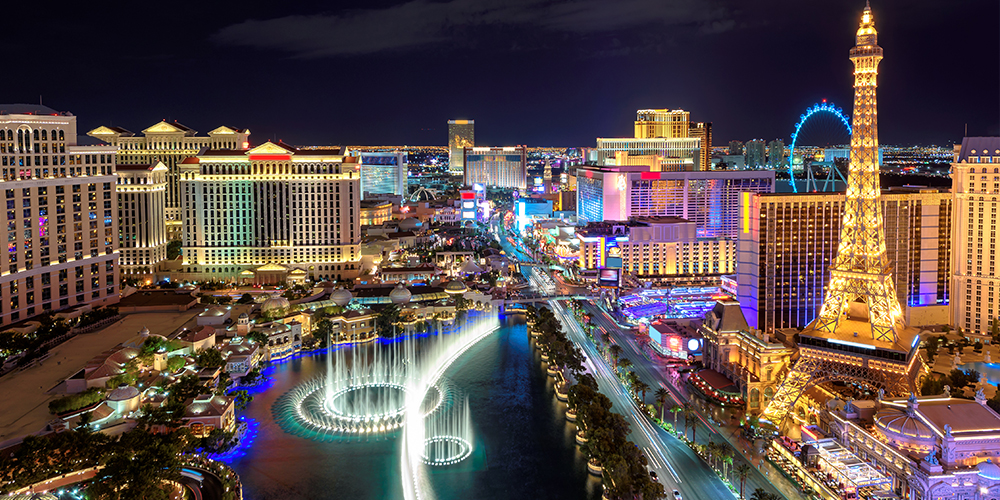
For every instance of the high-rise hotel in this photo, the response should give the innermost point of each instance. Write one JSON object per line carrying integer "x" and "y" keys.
{"x": 461, "y": 135}
{"x": 62, "y": 215}
{"x": 505, "y": 167}
{"x": 709, "y": 199}
{"x": 143, "y": 226}
{"x": 269, "y": 214}
{"x": 169, "y": 143}
{"x": 787, "y": 243}
{"x": 975, "y": 176}
{"x": 665, "y": 140}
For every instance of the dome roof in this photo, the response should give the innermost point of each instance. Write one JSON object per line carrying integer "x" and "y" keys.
{"x": 400, "y": 295}
{"x": 988, "y": 470}
{"x": 123, "y": 393}
{"x": 144, "y": 332}
{"x": 341, "y": 296}
{"x": 903, "y": 427}
{"x": 455, "y": 287}
{"x": 244, "y": 316}
{"x": 409, "y": 224}
{"x": 275, "y": 303}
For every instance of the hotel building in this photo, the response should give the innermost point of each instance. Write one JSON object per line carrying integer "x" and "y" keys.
{"x": 709, "y": 199}
{"x": 270, "y": 213}
{"x": 62, "y": 215}
{"x": 142, "y": 230}
{"x": 383, "y": 173}
{"x": 461, "y": 135}
{"x": 787, "y": 243}
{"x": 655, "y": 248}
{"x": 975, "y": 176}
{"x": 169, "y": 143}
{"x": 681, "y": 154}
{"x": 497, "y": 167}
{"x": 703, "y": 132}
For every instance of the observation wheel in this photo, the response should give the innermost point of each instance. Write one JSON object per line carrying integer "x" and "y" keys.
{"x": 827, "y": 110}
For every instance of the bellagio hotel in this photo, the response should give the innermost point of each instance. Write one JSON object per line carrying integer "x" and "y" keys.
{"x": 61, "y": 216}
{"x": 273, "y": 210}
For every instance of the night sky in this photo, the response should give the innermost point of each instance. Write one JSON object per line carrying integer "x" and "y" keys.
{"x": 535, "y": 72}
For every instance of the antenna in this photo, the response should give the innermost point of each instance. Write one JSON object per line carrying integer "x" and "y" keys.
{"x": 966, "y": 130}
{"x": 40, "y": 99}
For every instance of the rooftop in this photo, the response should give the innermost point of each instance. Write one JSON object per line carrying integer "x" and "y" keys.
{"x": 156, "y": 298}
{"x": 971, "y": 146}
{"x": 29, "y": 109}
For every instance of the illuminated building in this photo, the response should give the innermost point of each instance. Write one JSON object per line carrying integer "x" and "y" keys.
{"x": 142, "y": 224}
{"x": 789, "y": 241}
{"x": 461, "y": 135}
{"x": 662, "y": 123}
{"x": 532, "y": 208}
{"x": 859, "y": 335}
{"x": 709, "y": 199}
{"x": 703, "y": 132}
{"x": 375, "y": 212}
{"x": 750, "y": 358}
{"x": 169, "y": 143}
{"x": 62, "y": 215}
{"x": 975, "y": 176}
{"x": 470, "y": 200}
{"x": 930, "y": 447}
{"x": 269, "y": 213}
{"x": 659, "y": 154}
{"x": 735, "y": 148}
{"x": 497, "y": 167}
{"x": 776, "y": 154}
{"x": 756, "y": 154}
{"x": 655, "y": 248}
{"x": 383, "y": 173}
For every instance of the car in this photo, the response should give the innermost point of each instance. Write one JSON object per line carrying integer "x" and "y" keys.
{"x": 677, "y": 495}
{"x": 652, "y": 475}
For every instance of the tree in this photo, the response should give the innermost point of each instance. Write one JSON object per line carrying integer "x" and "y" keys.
{"x": 174, "y": 249}
{"x": 323, "y": 331}
{"x": 246, "y": 298}
{"x": 661, "y": 396}
{"x": 760, "y": 494}
{"x": 675, "y": 410}
{"x": 175, "y": 363}
{"x": 210, "y": 358}
{"x": 932, "y": 386}
{"x": 615, "y": 351}
{"x": 978, "y": 346}
{"x": 743, "y": 471}
{"x": 727, "y": 459}
{"x": 642, "y": 387}
{"x": 243, "y": 398}
{"x": 138, "y": 465}
{"x": 258, "y": 337}
{"x": 624, "y": 363}
{"x": 386, "y": 319}
{"x": 186, "y": 387}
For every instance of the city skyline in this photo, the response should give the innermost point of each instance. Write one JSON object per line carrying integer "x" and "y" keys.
{"x": 212, "y": 74}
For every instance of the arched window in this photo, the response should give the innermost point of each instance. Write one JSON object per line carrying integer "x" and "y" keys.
{"x": 36, "y": 134}
{"x": 768, "y": 394}
{"x": 45, "y": 135}
{"x": 62, "y": 136}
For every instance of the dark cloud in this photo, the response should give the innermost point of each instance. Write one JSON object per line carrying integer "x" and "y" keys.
{"x": 418, "y": 23}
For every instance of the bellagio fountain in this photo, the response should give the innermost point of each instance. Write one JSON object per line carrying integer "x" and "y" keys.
{"x": 390, "y": 388}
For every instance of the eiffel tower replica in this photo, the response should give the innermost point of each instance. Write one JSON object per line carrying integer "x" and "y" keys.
{"x": 860, "y": 337}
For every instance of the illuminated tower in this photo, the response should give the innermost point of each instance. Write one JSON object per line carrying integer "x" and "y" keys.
{"x": 859, "y": 337}
{"x": 862, "y": 274}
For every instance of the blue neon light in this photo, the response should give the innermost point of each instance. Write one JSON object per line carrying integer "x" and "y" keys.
{"x": 817, "y": 108}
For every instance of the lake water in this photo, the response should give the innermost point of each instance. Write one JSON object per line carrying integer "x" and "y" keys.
{"x": 524, "y": 447}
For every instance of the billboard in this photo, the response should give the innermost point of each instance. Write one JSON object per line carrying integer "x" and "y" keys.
{"x": 613, "y": 257}
{"x": 608, "y": 277}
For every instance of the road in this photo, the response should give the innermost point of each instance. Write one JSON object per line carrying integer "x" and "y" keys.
{"x": 650, "y": 373}
{"x": 675, "y": 463}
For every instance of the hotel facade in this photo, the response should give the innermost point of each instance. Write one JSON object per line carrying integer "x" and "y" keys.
{"x": 497, "y": 167}
{"x": 787, "y": 243}
{"x": 142, "y": 226}
{"x": 62, "y": 215}
{"x": 709, "y": 199}
{"x": 270, "y": 214}
{"x": 169, "y": 143}
{"x": 976, "y": 186}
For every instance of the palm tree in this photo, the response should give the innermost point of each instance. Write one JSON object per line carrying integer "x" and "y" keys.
{"x": 688, "y": 413}
{"x": 742, "y": 470}
{"x": 727, "y": 460}
{"x": 675, "y": 410}
{"x": 616, "y": 351}
{"x": 661, "y": 396}
{"x": 605, "y": 337}
{"x": 642, "y": 387}
{"x": 624, "y": 363}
